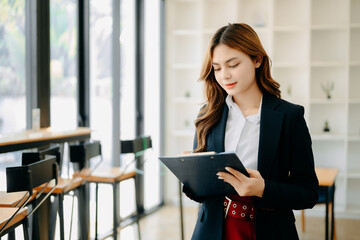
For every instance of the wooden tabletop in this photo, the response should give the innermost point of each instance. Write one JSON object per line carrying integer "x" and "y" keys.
{"x": 31, "y": 139}
{"x": 6, "y": 213}
{"x": 326, "y": 176}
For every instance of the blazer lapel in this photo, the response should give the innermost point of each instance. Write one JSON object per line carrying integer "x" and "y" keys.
{"x": 216, "y": 139}
{"x": 270, "y": 131}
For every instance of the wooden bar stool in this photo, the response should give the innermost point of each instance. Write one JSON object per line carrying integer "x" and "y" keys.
{"x": 18, "y": 218}
{"x": 114, "y": 176}
{"x": 64, "y": 186}
{"x": 82, "y": 155}
{"x": 26, "y": 178}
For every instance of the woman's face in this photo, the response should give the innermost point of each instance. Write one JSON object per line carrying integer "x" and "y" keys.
{"x": 234, "y": 70}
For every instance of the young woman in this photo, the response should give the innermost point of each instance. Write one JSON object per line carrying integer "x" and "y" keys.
{"x": 244, "y": 114}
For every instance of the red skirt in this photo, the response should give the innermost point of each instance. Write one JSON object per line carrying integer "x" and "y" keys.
{"x": 239, "y": 223}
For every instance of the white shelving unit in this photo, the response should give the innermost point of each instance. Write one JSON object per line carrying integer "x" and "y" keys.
{"x": 312, "y": 43}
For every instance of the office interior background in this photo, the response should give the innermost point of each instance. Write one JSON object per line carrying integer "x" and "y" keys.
{"x": 127, "y": 68}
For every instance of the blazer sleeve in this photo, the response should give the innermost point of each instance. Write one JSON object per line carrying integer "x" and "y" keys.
{"x": 188, "y": 192}
{"x": 299, "y": 191}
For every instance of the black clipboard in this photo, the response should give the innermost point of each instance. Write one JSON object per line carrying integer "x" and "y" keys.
{"x": 198, "y": 172}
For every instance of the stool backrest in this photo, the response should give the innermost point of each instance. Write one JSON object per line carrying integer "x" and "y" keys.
{"x": 84, "y": 151}
{"x": 31, "y": 157}
{"x": 136, "y": 146}
{"x": 27, "y": 177}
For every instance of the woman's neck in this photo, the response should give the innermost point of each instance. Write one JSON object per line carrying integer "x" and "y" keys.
{"x": 249, "y": 102}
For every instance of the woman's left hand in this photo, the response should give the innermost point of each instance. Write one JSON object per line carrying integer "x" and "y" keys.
{"x": 244, "y": 186}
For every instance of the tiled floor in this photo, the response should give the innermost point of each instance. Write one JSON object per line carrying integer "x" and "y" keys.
{"x": 164, "y": 225}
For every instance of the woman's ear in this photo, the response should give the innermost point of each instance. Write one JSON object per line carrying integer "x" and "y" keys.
{"x": 258, "y": 61}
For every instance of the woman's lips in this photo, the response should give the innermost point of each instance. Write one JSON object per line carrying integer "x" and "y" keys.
{"x": 231, "y": 85}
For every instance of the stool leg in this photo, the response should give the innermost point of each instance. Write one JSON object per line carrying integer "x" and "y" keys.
{"x": 35, "y": 223}
{"x": 116, "y": 214}
{"x": 137, "y": 213}
{"x": 11, "y": 235}
{"x": 72, "y": 215}
{"x": 61, "y": 216}
{"x": 26, "y": 229}
{"x": 53, "y": 216}
{"x": 96, "y": 209}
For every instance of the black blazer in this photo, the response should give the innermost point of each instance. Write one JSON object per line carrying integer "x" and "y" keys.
{"x": 286, "y": 163}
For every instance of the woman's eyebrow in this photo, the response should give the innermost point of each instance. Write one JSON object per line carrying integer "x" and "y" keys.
{"x": 229, "y": 60}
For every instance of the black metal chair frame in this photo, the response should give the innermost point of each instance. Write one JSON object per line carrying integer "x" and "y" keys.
{"x": 30, "y": 157}
{"x": 26, "y": 178}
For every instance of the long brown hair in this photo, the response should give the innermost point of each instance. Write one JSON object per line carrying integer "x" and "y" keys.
{"x": 242, "y": 38}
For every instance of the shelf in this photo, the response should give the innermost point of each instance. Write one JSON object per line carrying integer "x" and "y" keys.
{"x": 354, "y": 12}
{"x": 323, "y": 41}
{"x": 354, "y": 45}
{"x": 354, "y": 63}
{"x": 334, "y": 114}
{"x": 354, "y": 25}
{"x": 215, "y": 21}
{"x": 327, "y": 137}
{"x": 188, "y": 100}
{"x": 287, "y": 45}
{"x": 325, "y": 77}
{"x": 353, "y": 209}
{"x": 354, "y": 82}
{"x": 327, "y": 101}
{"x": 353, "y": 193}
{"x": 291, "y": 12}
{"x": 329, "y": 27}
{"x": 282, "y": 64}
{"x": 354, "y": 138}
{"x": 186, "y": 32}
{"x": 328, "y": 64}
{"x": 354, "y": 101}
{"x": 354, "y": 175}
{"x": 187, "y": 11}
{"x": 183, "y": 133}
{"x": 354, "y": 121}
{"x": 295, "y": 29}
{"x": 187, "y": 1}
{"x": 293, "y": 82}
{"x": 325, "y": 12}
{"x": 254, "y": 12}
{"x": 180, "y": 66}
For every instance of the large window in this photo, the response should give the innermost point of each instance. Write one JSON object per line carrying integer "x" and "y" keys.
{"x": 127, "y": 66}
{"x": 101, "y": 74}
{"x": 12, "y": 77}
{"x": 152, "y": 101}
{"x": 12, "y": 66}
{"x": 63, "y": 63}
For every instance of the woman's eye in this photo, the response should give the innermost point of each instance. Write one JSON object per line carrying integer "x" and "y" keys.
{"x": 216, "y": 69}
{"x": 233, "y": 66}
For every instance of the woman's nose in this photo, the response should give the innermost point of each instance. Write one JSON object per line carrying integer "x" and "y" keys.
{"x": 225, "y": 74}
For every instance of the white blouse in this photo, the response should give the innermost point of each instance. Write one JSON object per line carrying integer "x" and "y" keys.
{"x": 242, "y": 134}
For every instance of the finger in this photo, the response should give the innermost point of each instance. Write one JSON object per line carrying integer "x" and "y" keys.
{"x": 253, "y": 173}
{"x": 236, "y": 173}
{"x": 229, "y": 178}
